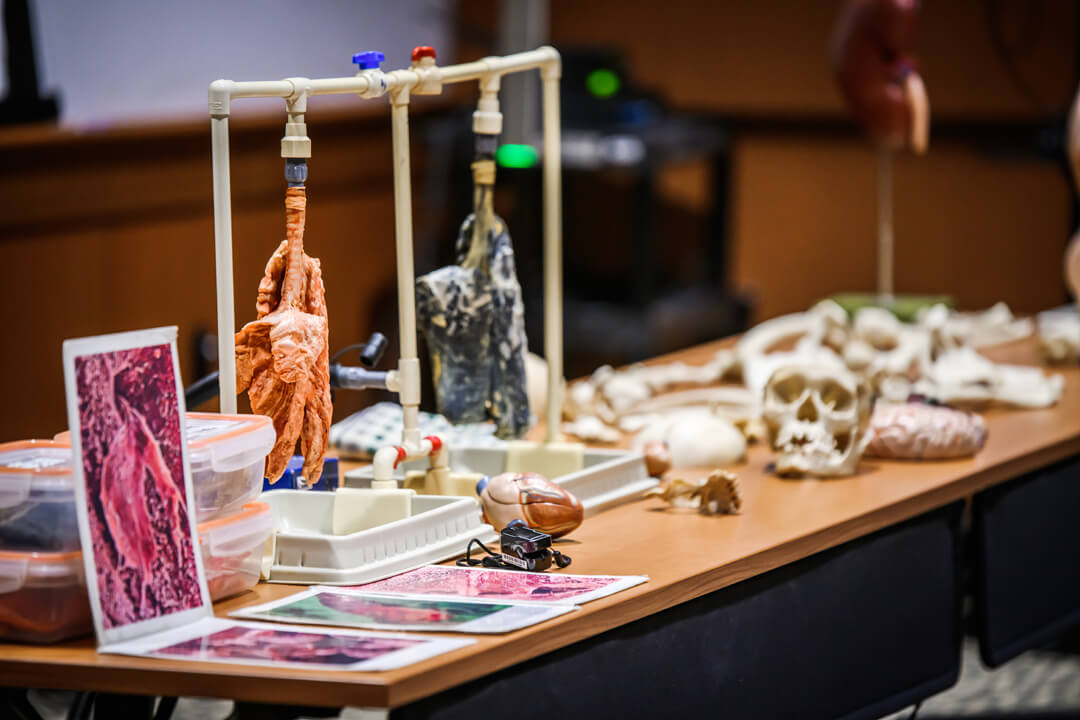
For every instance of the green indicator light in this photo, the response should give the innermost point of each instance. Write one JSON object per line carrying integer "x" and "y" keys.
{"x": 602, "y": 83}
{"x": 516, "y": 156}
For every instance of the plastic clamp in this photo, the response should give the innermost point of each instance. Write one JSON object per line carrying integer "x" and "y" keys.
{"x": 368, "y": 60}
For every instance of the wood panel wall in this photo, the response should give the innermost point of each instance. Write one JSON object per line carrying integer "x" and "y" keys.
{"x": 114, "y": 231}
{"x": 979, "y": 224}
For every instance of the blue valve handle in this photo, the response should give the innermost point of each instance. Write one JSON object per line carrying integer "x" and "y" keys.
{"x": 369, "y": 59}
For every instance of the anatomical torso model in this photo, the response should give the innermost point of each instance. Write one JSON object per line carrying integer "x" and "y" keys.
{"x": 282, "y": 357}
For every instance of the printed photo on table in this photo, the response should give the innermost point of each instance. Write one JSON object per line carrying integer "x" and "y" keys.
{"x": 506, "y": 585}
{"x": 248, "y": 643}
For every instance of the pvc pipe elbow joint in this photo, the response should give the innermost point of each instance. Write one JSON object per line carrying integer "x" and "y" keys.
{"x": 219, "y": 94}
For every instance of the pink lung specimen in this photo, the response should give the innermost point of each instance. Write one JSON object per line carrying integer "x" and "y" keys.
{"x": 131, "y": 456}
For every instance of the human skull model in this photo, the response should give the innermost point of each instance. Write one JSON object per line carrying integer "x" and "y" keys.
{"x": 817, "y": 417}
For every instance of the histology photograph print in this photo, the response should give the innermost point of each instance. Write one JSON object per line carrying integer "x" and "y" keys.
{"x": 132, "y": 460}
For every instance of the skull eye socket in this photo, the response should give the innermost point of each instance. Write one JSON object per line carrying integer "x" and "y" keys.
{"x": 835, "y": 396}
{"x": 788, "y": 389}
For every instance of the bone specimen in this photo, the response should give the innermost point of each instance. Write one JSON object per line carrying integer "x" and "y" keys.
{"x": 817, "y": 416}
{"x": 657, "y": 458}
{"x": 282, "y": 356}
{"x": 992, "y": 326}
{"x": 132, "y": 460}
{"x": 717, "y": 494}
{"x": 918, "y": 431}
{"x": 696, "y": 438}
{"x": 963, "y": 377}
{"x": 531, "y": 498}
{"x": 590, "y": 428}
{"x": 821, "y": 329}
{"x": 1059, "y": 337}
{"x": 612, "y": 395}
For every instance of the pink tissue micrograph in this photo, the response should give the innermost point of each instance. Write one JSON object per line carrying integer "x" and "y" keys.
{"x": 245, "y": 643}
{"x": 495, "y": 584}
{"x": 131, "y": 456}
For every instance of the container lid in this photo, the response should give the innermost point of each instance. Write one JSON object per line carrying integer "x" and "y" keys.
{"x": 224, "y": 442}
{"x": 37, "y": 568}
{"x": 228, "y": 442}
{"x": 38, "y": 466}
{"x": 241, "y": 532}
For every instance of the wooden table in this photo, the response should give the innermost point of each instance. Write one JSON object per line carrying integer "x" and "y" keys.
{"x": 686, "y": 556}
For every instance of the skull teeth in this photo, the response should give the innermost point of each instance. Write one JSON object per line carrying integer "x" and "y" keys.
{"x": 806, "y": 438}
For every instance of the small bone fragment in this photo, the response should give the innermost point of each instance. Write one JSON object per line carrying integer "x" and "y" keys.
{"x": 715, "y": 495}
{"x": 591, "y": 429}
{"x": 657, "y": 458}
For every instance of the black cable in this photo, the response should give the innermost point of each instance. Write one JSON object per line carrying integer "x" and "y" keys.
{"x": 915, "y": 710}
{"x": 347, "y": 348}
{"x": 492, "y": 561}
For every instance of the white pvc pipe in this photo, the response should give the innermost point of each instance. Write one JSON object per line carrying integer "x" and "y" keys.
{"x": 399, "y": 82}
{"x": 223, "y": 261}
{"x": 518, "y": 62}
{"x": 387, "y": 458}
{"x": 409, "y": 367}
{"x": 553, "y": 324}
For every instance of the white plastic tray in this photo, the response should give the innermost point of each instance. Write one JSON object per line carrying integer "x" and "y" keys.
{"x": 305, "y": 551}
{"x": 610, "y": 477}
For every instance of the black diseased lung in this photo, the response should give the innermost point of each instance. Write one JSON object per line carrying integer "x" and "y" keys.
{"x": 474, "y": 324}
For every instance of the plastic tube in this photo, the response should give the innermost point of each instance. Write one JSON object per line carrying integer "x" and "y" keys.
{"x": 409, "y": 365}
{"x": 553, "y": 325}
{"x": 387, "y": 458}
{"x": 223, "y": 262}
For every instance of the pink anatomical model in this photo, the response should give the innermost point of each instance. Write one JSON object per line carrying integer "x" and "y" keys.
{"x": 917, "y": 431}
{"x": 282, "y": 357}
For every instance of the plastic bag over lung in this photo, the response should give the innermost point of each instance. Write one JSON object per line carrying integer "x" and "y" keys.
{"x": 282, "y": 357}
{"x": 473, "y": 319}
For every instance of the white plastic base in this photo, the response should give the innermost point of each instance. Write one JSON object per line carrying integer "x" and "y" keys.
{"x": 610, "y": 477}
{"x": 305, "y": 551}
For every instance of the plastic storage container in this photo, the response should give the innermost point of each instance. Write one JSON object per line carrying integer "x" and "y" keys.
{"x": 609, "y": 478}
{"x": 228, "y": 453}
{"x": 232, "y": 549}
{"x": 37, "y": 497}
{"x": 43, "y": 597}
{"x": 307, "y": 551}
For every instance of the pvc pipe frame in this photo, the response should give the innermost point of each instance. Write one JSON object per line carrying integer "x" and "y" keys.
{"x": 420, "y": 79}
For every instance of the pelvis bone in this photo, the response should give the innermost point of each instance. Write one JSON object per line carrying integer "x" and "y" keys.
{"x": 817, "y": 416}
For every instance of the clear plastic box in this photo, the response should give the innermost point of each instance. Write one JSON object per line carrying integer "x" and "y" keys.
{"x": 232, "y": 549}
{"x": 43, "y": 597}
{"x": 37, "y": 497}
{"x": 228, "y": 454}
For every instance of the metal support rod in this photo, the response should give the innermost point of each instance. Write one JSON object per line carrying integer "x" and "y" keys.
{"x": 885, "y": 225}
